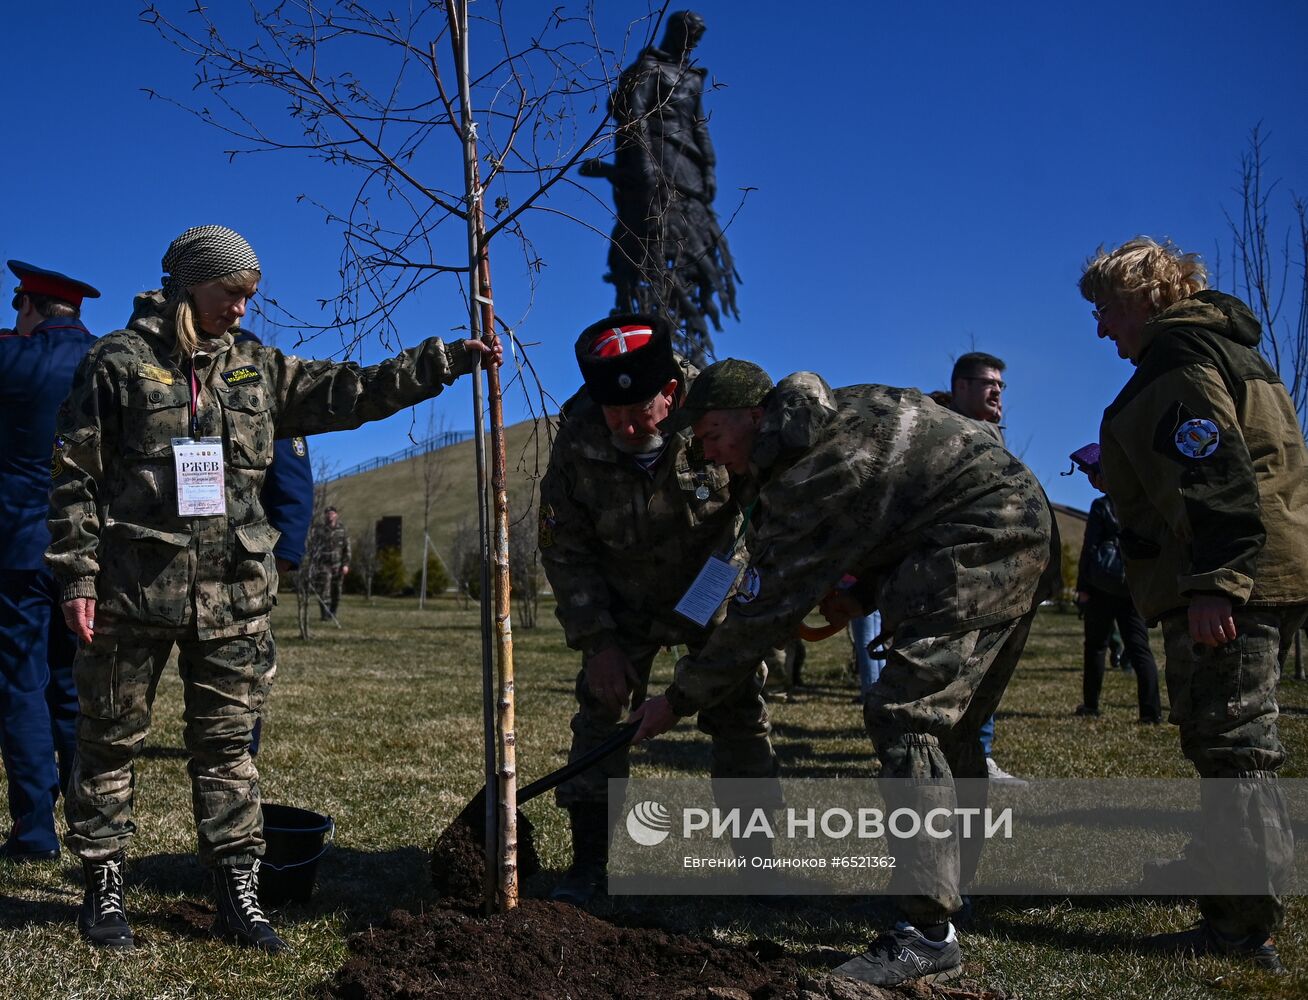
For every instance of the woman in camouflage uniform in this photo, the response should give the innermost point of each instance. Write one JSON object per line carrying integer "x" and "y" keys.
{"x": 159, "y": 540}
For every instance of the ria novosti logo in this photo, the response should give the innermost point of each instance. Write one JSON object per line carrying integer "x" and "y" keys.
{"x": 649, "y": 823}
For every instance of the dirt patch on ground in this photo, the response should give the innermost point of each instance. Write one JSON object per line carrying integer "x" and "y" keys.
{"x": 549, "y": 951}
{"x": 544, "y": 950}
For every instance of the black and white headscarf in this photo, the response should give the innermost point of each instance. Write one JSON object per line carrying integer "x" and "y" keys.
{"x": 203, "y": 253}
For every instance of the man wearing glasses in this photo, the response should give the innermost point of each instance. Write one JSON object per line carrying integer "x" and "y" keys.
{"x": 976, "y": 389}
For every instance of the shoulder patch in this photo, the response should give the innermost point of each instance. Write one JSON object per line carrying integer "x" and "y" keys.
{"x": 155, "y": 373}
{"x": 748, "y": 587}
{"x": 243, "y": 375}
{"x": 1197, "y": 438}
{"x": 299, "y": 446}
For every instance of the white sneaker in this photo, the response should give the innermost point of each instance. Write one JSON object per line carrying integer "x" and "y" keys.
{"x": 1001, "y": 777}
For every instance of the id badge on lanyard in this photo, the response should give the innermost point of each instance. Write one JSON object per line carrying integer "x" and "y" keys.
{"x": 201, "y": 485}
{"x": 709, "y": 590}
{"x": 201, "y": 479}
{"x": 713, "y": 583}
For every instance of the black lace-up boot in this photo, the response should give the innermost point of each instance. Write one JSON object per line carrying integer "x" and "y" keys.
{"x": 103, "y": 920}
{"x": 236, "y": 888}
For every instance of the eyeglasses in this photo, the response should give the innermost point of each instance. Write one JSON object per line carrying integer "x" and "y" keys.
{"x": 995, "y": 383}
{"x": 1101, "y": 311}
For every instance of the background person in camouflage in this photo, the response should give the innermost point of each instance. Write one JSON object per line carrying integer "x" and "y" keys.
{"x": 329, "y": 552}
{"x": 1204, "y": 458}
{"x": 945, "y": 532}
{"x": 138, "y": 579}
{"x": 627, "y": 518}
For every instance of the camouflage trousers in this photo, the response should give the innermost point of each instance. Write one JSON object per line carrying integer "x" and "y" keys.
{"x": 224, "y": 684}
{"x": 328, "y": 584}
{"x": 924, "y": 715}
{"x": 739, "y": 727}
{"x": 1224, "y": 701}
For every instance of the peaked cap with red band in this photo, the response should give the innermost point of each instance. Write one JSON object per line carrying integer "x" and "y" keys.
{"x": 626, "y": 359}
{"x": 39, "y": 281}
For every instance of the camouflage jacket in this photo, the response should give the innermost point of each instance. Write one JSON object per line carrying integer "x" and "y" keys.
{"x": 116, "y": 535}
{"x": 945, "y": 530}
{"x": 1205, "y": 461}
{"x": 329, "y": 548}
{"x": 621, "y": 545}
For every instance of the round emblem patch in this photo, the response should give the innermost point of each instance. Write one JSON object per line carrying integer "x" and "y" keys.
{"x": 701, "y": 492}
{"x": 299, "y": 446}
{"x": 1197, "y": 438}
{"x": 624, "y": 381}
{"x": 749, "y": 584}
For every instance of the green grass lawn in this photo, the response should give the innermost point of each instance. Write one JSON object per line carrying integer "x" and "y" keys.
{"x": 379, "y": 726}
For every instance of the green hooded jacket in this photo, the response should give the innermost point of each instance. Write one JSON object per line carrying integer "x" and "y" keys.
{"x": 1205, "y": 462}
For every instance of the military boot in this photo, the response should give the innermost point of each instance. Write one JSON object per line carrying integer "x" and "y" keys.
{"x": 236, "y": 889}
{"x": 590, "y": 855}
{"x": 103, "y": 920}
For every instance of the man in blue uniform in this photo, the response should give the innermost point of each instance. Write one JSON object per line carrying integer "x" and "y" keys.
{"x": 38, "y": 703}
{"x": 287, "y": 498}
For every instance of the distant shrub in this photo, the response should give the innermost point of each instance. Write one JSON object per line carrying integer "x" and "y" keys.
{"x": 438, "y": 581}
{"x": 392, "y": 579}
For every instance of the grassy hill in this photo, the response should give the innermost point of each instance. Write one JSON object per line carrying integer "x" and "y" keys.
{"x": 397, "y": 490}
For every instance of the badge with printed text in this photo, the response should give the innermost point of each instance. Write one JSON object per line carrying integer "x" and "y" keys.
{"x": 201, "y": 488}
{"x": 155, "y": 374}
{"x": 1197, "y": 438}
{"x": 245, "y": 375}
{"x": 708, "y": 591}
{"x": 299, "y": 446}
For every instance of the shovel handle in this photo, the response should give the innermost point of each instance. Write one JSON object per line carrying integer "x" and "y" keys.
{"x": 621, "y": 737}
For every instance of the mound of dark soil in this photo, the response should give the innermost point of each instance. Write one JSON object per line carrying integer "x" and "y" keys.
{"x": 550, "y": 951}
{"x": 546, "y": 950}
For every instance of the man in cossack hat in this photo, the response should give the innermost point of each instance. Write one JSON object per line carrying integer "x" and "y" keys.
{"x": 628, "y": 517}
{"x": 38, "y": 703}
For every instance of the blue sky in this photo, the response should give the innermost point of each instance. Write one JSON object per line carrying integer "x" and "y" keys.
{"x": 927, "y": 179}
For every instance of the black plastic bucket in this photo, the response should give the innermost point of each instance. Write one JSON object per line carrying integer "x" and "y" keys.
{"x": 296, "y": 839}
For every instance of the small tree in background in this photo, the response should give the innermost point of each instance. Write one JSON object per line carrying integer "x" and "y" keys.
{"x": 392, "y": 580}
{"x": 363, "y": 565}
{"x": 465, "y": 561}
{"x": 306, "y": 598}
{"x": 438, "y": 581}
{"x": 1270, "y": 265}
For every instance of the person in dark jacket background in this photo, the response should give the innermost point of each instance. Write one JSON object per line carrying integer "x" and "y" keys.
{"x": 1102, "y": 593}
{"x": 38, "y": 701}
{"x": 287, "y": 499}
{"x": 1204, "y": 457}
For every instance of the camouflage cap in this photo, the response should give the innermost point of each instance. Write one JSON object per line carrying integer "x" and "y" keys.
{"x": 730, "y": 384}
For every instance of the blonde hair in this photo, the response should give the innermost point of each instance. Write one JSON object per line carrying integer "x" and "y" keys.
{"x": 1143, "y": 268}
{"x": 180, "y": 309}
